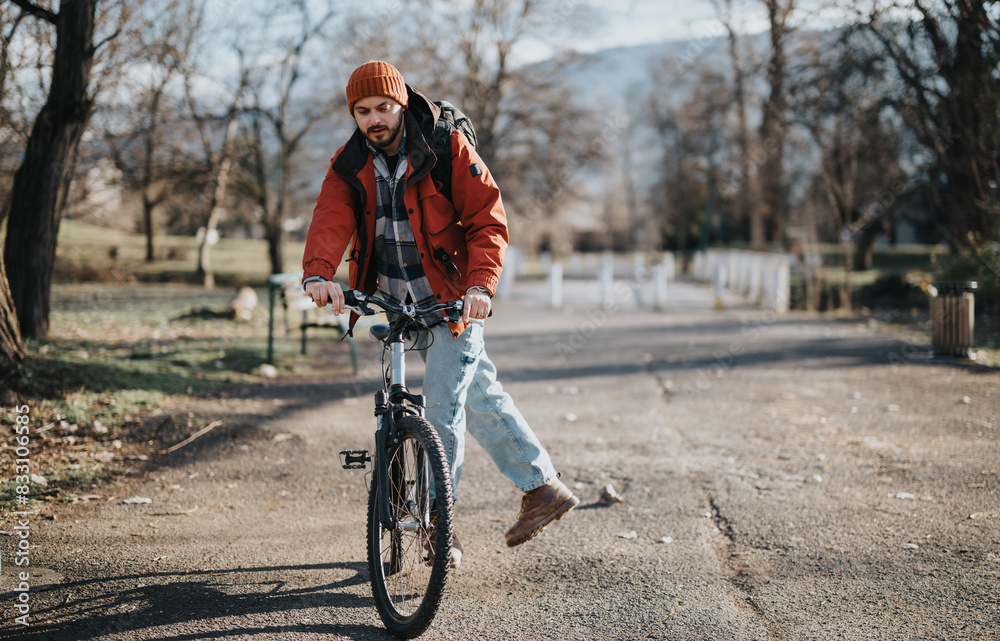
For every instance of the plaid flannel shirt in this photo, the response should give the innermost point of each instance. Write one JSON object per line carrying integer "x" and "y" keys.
{"x": 401, "y": 276}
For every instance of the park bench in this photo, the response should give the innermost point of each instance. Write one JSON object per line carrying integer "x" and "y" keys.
{"x": 295, "y": 299}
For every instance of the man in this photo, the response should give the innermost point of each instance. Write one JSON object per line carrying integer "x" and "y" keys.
{"x": 415, "y": 244}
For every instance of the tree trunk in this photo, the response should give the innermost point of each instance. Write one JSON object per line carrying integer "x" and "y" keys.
{"x": 864, "y": 244}
{"x": 274, "y": 252}
{"x": 768, "y": 223}
{"x": 42, "y": 181}
{"x": 11, "y": 346}
{"x": 746, "y": 207}
{"x": 276, "y": 224}
{"x": 149, "y": 202}
{"x": 845, "y": 293}
{"x": 205, "y": 271}
{"x": 147, "y": 221}
{"x": 970, "y": 160}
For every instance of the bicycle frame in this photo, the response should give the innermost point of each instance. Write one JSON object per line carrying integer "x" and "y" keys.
{"x": 394, "y": 399}
{"x": 391, "y": 402}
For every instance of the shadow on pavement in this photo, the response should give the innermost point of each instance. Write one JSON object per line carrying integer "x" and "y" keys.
{"x": 180, "y": 600}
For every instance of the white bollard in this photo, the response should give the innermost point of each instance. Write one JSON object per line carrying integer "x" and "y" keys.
{"x": 607, "y": 280}
{"x": 770, "y": 283}
{"x": 733, "y": 271}
{"x": 756, "y": 278}
{"x": 699, "y": 269}
{"x": 743, "y": 280}
{"x": 556, "y": 286}
{"x": 782, "y": 288}
{"x": 660, "y": 285}
{"x": 669, "y": 267}
{"x": 721, "y": 280}
{"x": 546, "y": 260}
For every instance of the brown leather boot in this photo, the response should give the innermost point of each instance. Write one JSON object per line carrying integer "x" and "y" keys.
{"x": 539, "y": 507}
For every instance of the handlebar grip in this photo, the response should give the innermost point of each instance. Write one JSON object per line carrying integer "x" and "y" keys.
{"x": 350, "y": 298}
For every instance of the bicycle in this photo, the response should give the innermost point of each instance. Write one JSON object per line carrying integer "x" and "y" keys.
{"x": 410, "y": 499}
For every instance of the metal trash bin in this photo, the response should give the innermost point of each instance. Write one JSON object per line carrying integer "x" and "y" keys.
{"x": 953, "y": 318}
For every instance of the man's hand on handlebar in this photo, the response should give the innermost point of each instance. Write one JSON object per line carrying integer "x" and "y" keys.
{"x": 476, "y": 306}
{"x": 324, "y": 292}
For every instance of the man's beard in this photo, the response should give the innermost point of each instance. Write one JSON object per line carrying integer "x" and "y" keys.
{"x": 386, "y": 135}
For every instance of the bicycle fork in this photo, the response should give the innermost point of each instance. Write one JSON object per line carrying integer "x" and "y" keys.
{"x": 387, "y": 405}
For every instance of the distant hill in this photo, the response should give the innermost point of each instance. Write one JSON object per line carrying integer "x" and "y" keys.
{"x": 613, "y": 75}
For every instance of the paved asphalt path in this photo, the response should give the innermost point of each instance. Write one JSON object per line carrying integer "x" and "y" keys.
{"x": 784, "y": 478}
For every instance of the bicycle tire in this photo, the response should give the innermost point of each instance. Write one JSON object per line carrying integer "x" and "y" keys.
{"x": 407, "y": 591}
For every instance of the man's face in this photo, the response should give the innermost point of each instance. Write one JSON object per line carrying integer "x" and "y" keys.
{"x": 381, "y": 121}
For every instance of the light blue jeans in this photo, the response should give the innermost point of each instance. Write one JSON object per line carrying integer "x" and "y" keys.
{"x": 460, "y": 383}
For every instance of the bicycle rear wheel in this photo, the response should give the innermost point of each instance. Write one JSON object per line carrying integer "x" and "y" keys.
{"x": 406, "y": 584}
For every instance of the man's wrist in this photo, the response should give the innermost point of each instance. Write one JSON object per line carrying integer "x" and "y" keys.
{"x": 312, "y": 279}
{"x": 479, "y": 288}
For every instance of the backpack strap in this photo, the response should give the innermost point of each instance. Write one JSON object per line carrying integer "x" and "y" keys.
{"x": 449, "y": 119}
{"x": 441, "y": 145}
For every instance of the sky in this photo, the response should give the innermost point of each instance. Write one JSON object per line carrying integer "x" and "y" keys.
{"x": 647, "y": 21}
{"x": 620, "y": 23}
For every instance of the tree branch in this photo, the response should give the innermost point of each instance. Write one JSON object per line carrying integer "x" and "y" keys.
{"x": 35, "y": 10}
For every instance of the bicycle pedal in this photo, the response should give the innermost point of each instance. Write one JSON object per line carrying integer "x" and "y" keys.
{"x": 354, "y": 459}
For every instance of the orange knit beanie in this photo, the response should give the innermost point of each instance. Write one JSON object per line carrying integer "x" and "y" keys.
{"x": 375, "y": 78}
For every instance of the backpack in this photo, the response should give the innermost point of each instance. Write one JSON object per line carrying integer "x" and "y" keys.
{"x": 451, "y": 119}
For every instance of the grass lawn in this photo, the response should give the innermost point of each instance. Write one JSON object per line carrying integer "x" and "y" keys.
{"x": 124, "y": 354}
{"x": 90, "y": 253}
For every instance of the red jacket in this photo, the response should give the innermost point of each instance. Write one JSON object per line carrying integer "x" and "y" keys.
{"x": 473, "y": 231}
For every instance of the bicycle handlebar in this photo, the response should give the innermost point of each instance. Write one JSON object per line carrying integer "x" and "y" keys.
{"x": 359, "y": 302}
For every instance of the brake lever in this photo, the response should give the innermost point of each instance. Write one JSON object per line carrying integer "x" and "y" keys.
{"x": 360, "y": 303}
{"x": 362, "y": 309}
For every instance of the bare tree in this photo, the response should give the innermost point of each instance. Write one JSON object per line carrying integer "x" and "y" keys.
{"x": 692, "y": 138}
{"x": 218, "y": 156}
{"x": 271, "y": 87}
{"x": 772, "y": 191}
{"x": 12, "y": 348}
{"x": 143, "y": 133}
{"x": 947, "y": 62}
{"x": 741, "y": 186}
{"x": 839, "y": 96}
{"x": 42, "y": 181}
{"x": 221, "y": 165}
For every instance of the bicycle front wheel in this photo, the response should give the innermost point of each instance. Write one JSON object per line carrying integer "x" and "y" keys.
{"x": 409, "y": 563}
